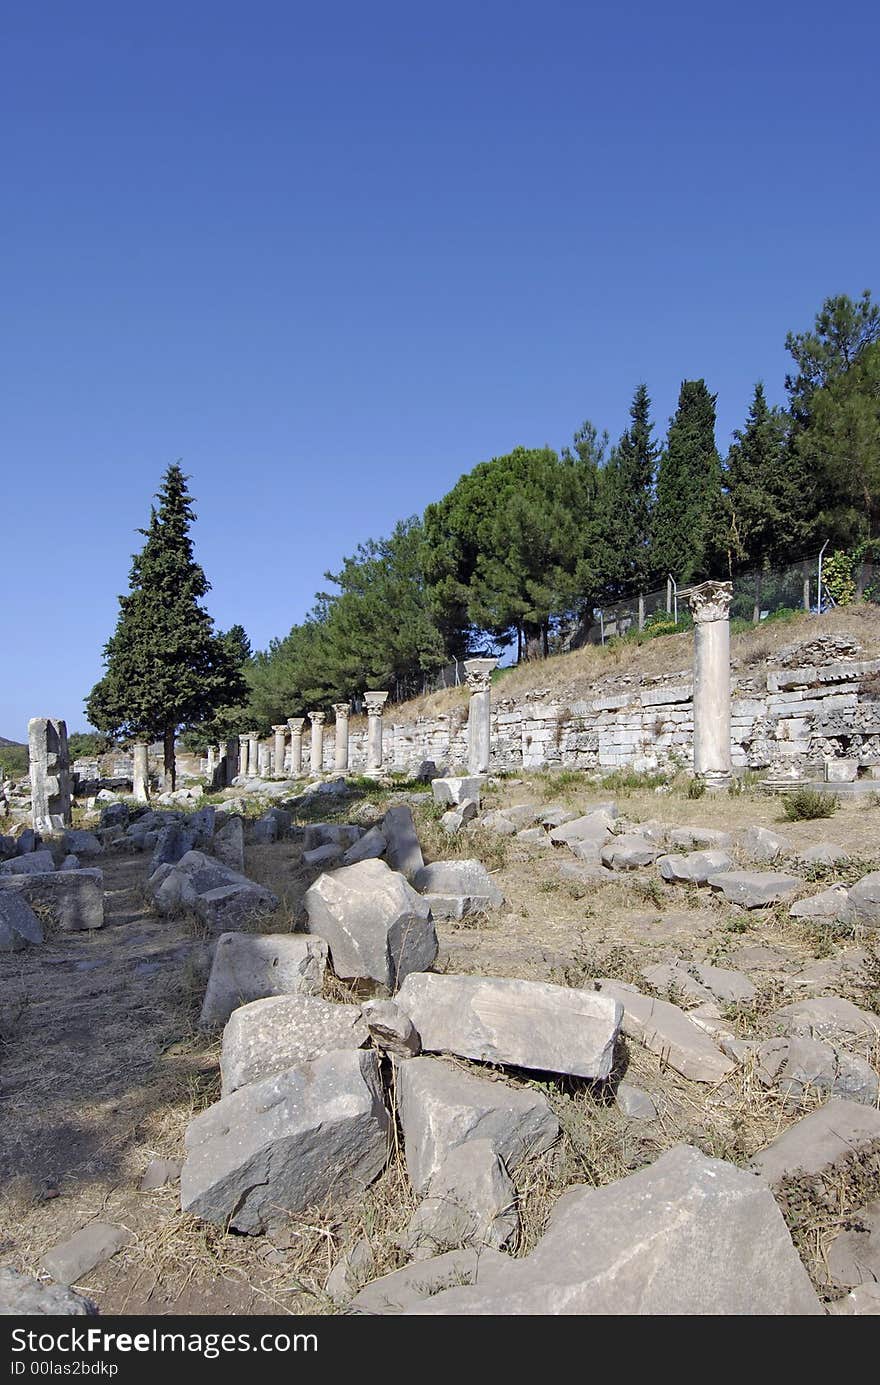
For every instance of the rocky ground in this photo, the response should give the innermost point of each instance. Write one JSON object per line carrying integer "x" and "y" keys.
{"x": 103, "y": 1065}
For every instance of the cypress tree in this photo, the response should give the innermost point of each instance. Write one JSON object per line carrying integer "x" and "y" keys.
{"x": 165, "y": 665}
{"x": 688, "y": 525}
{"x": 626, "y": 502}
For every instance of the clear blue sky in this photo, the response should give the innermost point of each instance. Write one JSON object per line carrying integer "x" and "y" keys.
{"x": 332, "y": 256}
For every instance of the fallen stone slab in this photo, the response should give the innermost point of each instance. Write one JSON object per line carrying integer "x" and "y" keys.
{"x": 35, "y": 863}
{"x": 84, "y": 1250}
{"x": 521, "y": 815}
{"x": 823, "y": 854}
{"x": 82, "y": 843}
{"x": 828, "y": 1017}
{"x": 233, "y": 906}
{"x": 228, "y": 844}
{"x": 175, "y": 888}
{"x": 666, "y": 1030}
{"x": 391, "y": 1029}
{"x": 457, "y": 791}
{"x": 23, "y": 1296}
{"x": 555, "y": 816}
{"x": 525, "y": 1024}
{"x": 19, "y": 925}
{"x": 248, "y": 967}
{"x": 455, "y": 889}
{"x": 635, "y": 1104}
{"x": 370, "y": 846}
{"x": 341, "y": 834}
{"x": 417, "y": 1283}
{"x": 440, "y": 1107}
{"x": 174, "y": 842}
{"x": 284, "y": 1031}
{"x": 377, "y": 927}
{"x": 839, "y": 1133}
{"x": 402, "y": 851}
{"x": 534, "y": 836}
{"x": 75, "y": 898}
{"x": 827, "y": 904}
{"x": 863, "y": 900}
{"x": 585, "y": 874}
{"x": 629, "y": 853}
{"x": 588, "y": 833}
{"x": 754, "y": 889}
{"x": 687, "y": 1236}
{"x": 799, "y": 1065}
{"x": 853, "y": 1258}
{"x": 351, "y": 1271}
{"x": 760, "y": 844}
{"x": 287, "y": 1143}
{"x": 863, "y": 1301}
{"x": 700, "y": 981}
{"x": 470, "y": 1201}
{"x": 695, "y": 867}
{"x": 700, "y": 838}
{"x": 499, "y": 824}
{"x": 324, "y": 856}
{"x": 159, "y": 1173}
{"x": 455, "y": 819}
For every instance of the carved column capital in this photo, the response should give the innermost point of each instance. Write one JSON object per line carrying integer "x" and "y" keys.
{"x": 374, "y": 702}
{"x": 478, "y": 673}
{"x": 280, "y": 730}
{"x": 317, "y": 718}
{"x": 341, "y": 710}
{"x": 296, "y": 725}
{"x": 710, "y": 601}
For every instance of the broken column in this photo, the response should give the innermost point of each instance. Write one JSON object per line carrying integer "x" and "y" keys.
{"x": 210, "y": 764}
{"x": 710, "y": 604}
{"x": 243, "y": 742}
{"x": 140, "y": 772}
{"x": 253, "y": 759}
{"x": 316, "y": 764}
{"x": 50, "y": 774}
{"x": 296, "y": 725}
{"x": 374, "y": 702}
{"x": 478, "y": 675}
{"x": 280, "y": 739}
{"x": 264, "y": 760}
{"x": 340, "y": 712}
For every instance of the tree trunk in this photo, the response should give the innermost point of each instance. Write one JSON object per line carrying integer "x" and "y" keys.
{"x": 170, "y": 775}
{"x": 756, "y": 612}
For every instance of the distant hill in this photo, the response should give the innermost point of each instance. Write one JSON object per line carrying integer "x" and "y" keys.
{"x": 17, "y": 744}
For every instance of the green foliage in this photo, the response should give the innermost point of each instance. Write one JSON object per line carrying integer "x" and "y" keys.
{"x": 838, "y": 577}
{"x": 625, "y": 504}
{"x": 85, "y": 745}
{"x": 14, "y": 761}
{"x": 696, "y": 787}
{"x": 763, "y": 500}
{"x": 804, "y": 804}
{"x": 688, "y": 520}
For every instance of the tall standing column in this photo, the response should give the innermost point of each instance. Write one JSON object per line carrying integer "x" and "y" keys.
{"x": 243, "y": 742}
{"x": 340, "y": 712}
{"x": 316, "y": 765}
{"x": 140, "y": 772}
{"x": 280, "y": 739}
{"x": 264, "y": 759}
{"x": 253, "y": 767}
{"x": 710, "y": 604}
{"x": 374, "y": 702}
{"x": 50, "y": 774}
{"x": 296, "y": 725}
{"x": 478, "y": 675}
{"x": 210, "y": 764}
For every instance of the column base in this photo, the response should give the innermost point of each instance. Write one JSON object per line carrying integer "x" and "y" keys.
{"x": 716, "y": 780}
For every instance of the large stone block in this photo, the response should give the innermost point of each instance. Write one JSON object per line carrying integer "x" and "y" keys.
{"x": 755, "y": 889}
{"x": 287, "y": 1143}
{"x": 454, "y": 792}
{"x": 23, "y": 1296}
{"x": 693, "y": 867}
{"x": 34, "y": 863}
{"x": 863, "y": 900}
{"x": 285, "y": 1031}
{"x": 376, "y": 925}
{"x": 831, "y": 1137}
{"x": 19, "y": 925}
{"x": 470, "y": 1201}
{"x": 525, "y": 1024}
{"x": 250, "y": 967}
{"x": 49, "y": 774}
{"x": 75, "y": 898}
{"x": 454, "y": 889}
{"x": 403, "y": 851}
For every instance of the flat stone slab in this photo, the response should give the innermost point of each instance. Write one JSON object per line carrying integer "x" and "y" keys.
{"x": 416, "y": 1283}
{"x": 23, "y": 1296}
{"x": 837, "y": 1132}
{"x": 688, "y": 1236}
{"x": 701, "y": 837}
{"x": 84, "y": 1250}
{"x": 700, "y": 981}
{"x": 828, "y": 1017}
{"x": 250, "y": 967}
{"x": 525, "y": 1024}
{"x": 371, "y": 845}
{"x": 341, "y": 834}
{"x": 285, "y": 1031}
{"x": 455, "y": 889}
{"x": 19, "y": 925}
{"x": 629, "y": 852}
{"x": 287, "y": 1143}
{"x": 799, "y": 1065}
{"x": 635, "y": 1104}
{"x": 754, "y": 889}
{"x": 440, "y": 1107}
{"x": 402, "y": 850}
{"x": 827, "y": 904}
{"x": 75, "y": 898}
{"x": 863, "y": 901}
{"x": 470, "y": 1201}
{"x": 453, "y": 792}
{"x": 760, "y": 844}
{"x": 666, "y": 1030}
{"x": 34, "y": 863}
{"x": 823, "y": 854}
{"x": 593, "y": 828}
{"x": 694, "y": 867}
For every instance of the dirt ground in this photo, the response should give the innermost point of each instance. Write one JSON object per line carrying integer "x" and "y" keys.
{"x": 102, "y": 1063}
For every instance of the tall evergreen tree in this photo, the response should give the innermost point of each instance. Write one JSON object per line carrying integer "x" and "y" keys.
{"x": 165, "y": 665}
{"x": 626, "y": 500}
{"x": 687, "y": 522}
{"x": 761, "y": 504}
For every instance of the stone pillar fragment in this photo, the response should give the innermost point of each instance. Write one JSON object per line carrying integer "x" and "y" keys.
{"x": 374, "y": 702}
{"x": 253, "y": 761}
{"x": 140, "y": 772}
{"x": 50, "y": 774}
{"x": 230, "y": 760}
{"x": 478, "y": 675}
{"x": 316, "y": 765}
{"x": 211, "y": 764}
{"x": 280, "y": 739}
{"x": 296, "y": 725}
{"x": 341, "y": 711}
{"x": 264, "y": 760}
{"x": 710, "y": 604}
{"x": 243, "y": 743}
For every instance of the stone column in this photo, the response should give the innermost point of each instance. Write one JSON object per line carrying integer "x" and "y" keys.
{"x": 280, "y": 738}
{"x": 264, "y": 760}
{"x": 340, "y": 712}
{"x": 374, "y": 702}
{"x": 243, "y": 741}
{"x": 710, "y": 604}
{"x": 296, "y": 725}
{"x": 211, "y": 764}
{"x": 140, "y": 772}
{"x": 316, "y": 765}
{"x": 50, "y": 774}
{"x": 230, "y": 760}
{"x": 253, "y": 760}
{"x": 478, "y": 675}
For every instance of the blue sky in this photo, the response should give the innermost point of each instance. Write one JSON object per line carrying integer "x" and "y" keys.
{"x": 333, "y": 256}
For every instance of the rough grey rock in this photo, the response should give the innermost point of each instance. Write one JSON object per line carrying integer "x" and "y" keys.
{"x": 499, "y": 824}
{"x": 455, "y": 889}
{"x": 687, "y": 1236}
{"x": 526, "y": 1024}
{"x": 455, "y": 819}
{"x": 249, "y": 967}
{"x": 351, "y": 1271}
{"x": 754, "y": 889}
{"x": 233, "y": 906}
{"x": 760, "y": 844}
{"x": 521, "y": 815}
{"x": 35, "y": 863}
{"x": 634, "y": 1103}
{"x": 440, "y": 1108}
{"x": 286, "y": 1143}
{"x": 195, "y": 875}
{"x": 284, "y": 1031}
{"x": 863, "y": 902}
{"x": 159, "y": 1173}
{"x": 798, "y": 1065}
{"x": 19, "y": 925}
{"x": 853, "y": 1257}
{"x": 585, "y": 874}
{"x": 402, "y": 852}
{"x": 415, "y": 1284}
{"x": 457, "y": 791}
{"x": 555, "y": 816}
{"x": 83, "y": 843}
{"x": 694, "y": 867}
{"x": 585, "y": 836}
{"x": 391, "y": 1029}
{"x": 90, "y": 1246}
{"x": 75, "y": 898}
{"x": 826, "y": 1138}
{"x": 534, "y": 836}
{"x": 114, "y": 815}
{"x": 22, "y": 1296}
{"x": 174, "y": 842}
{"x": 228, "y": 844}
{"x": 822, "y": 854}
{"x": 827, "y": 904}
{"x": 701, "y": 838}
{"x": 70, "y": 863}
{"x": 666, "y": 1030}
{"x": 470, "y": 1201}
{"x": 326, "y": 855}
{"x": 341, "y": 834}
{"x": 377, "y": 927}
{"x": 863, "y": 1301}
{"x": 370, "y": 846}
{"x": 828, "y": 1016}
{"x": 700, "y": 981}
{"x": 629, "y": 852}
{"x": 264, "y": 830}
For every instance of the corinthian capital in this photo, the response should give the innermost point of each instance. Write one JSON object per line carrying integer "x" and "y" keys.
{"x": 296, "y": 725}
{"x": 341, "y": 710}
{"x": 478, "y": 673}
{"x": 711, "y": 601}
{"x": 374, "y": 702}
{"x": 317, "y": 718}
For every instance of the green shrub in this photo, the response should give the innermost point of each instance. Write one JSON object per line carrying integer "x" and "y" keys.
{"x": 696, "y": 787}
{"x": 804, "y": 804}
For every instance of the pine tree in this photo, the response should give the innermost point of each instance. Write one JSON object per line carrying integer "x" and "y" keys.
{"x": 688, "y": 525}
{"x": 761, "y": 505}
{"x": 165, "y": 666}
